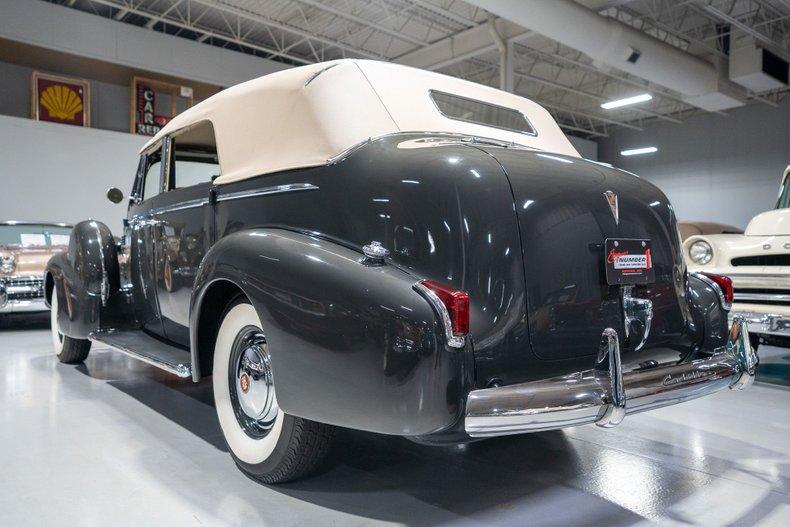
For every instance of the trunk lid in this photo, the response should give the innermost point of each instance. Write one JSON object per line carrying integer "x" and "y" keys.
{"x": 564, "y": 219}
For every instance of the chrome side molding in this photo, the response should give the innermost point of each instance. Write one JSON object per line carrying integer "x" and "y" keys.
{"x": 266, "y": 191}
{"x": 604, "y": 394}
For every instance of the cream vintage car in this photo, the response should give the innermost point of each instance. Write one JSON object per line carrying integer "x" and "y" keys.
{"x": 758, "y": 262}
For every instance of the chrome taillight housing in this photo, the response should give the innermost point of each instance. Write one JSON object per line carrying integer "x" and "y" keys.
{"x": 452, "y": 306}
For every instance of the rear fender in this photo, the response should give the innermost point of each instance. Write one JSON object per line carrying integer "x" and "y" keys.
{"x": 709, "y": 316}
{"x": 85, "y": 278}
{"x": 352, "y": 344}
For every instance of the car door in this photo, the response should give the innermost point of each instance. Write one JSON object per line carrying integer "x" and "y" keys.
{"x": 141, "y": 235}
{"x": 184, "y": 226}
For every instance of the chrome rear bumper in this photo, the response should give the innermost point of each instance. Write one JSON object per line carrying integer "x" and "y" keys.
{"x": 604, "y": 394}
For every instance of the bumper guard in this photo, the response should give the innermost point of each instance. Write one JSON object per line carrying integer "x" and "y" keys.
{"x": 604, "y": 394}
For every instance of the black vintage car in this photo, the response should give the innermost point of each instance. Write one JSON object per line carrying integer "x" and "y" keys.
{"x": 395, "y": 251}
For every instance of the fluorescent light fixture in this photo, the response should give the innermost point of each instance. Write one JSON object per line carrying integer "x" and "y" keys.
{"x": 639, "y": 151}
{"x": 636, "y": 99}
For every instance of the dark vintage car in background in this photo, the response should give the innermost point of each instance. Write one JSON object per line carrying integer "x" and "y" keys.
{"x": 395, "y": 251}
{"x": 25, "y": 249}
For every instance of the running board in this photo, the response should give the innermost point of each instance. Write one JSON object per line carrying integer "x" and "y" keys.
{"x": 140, "y": 345}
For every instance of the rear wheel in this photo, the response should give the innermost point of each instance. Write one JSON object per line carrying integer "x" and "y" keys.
{"x": 68, "y": 350}
{"x": 266, "y": 443}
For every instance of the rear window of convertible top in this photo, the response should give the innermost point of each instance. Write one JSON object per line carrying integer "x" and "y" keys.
{"x": 482, "y": 113}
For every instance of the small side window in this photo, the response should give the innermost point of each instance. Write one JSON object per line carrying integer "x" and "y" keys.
{"x": 195, "y": 160}
{"x": 482, "y": 113}
{"x": 151, "y": 179}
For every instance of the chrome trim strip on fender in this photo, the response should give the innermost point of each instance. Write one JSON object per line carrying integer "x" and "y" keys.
{"x": 444, "y": 316}
{"x": 267, "y": 191}
{"x": 191, "y": 204}
{"x": 592, "y": 396}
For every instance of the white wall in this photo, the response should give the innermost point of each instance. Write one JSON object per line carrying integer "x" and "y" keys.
{"x": 71, "y": 31}
{"x": 57, "y": 172}
{"x": 712, "y": 167}
{"x": 586, "y": 148}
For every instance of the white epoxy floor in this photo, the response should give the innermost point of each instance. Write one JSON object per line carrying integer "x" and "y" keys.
{"x": 116, "y": 442}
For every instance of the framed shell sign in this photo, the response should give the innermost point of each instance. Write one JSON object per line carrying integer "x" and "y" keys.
{"x": 154, "y": 103}
{"x": 60, "y": 99}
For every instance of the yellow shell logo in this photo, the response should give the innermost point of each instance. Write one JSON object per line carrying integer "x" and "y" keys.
{"x": 61, "y": 102}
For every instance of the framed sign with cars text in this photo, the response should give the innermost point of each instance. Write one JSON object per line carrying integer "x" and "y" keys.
{"x": 154, "y": 103}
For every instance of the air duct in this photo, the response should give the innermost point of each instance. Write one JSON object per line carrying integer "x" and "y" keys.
{"x": 613, "y": 43}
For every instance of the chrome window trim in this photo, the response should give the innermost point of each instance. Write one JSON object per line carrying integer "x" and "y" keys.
{"x": 534, "y": 132}
{"x": 713, "y": 285}
{"x": 266, "y": 191}
{"x": 444, "y": 316}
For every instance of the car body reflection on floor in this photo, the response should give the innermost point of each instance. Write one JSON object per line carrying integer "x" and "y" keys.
{"x": 115, "y": 439}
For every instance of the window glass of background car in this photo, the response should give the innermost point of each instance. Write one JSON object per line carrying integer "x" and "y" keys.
{"x": 784, "y": 195}
{"x": 34, "y": 235}
{"x": 482, "y": 113}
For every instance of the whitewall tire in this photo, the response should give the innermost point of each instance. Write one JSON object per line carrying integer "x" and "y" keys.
{"x": 68, "y": 350}
{"x": 266, "y": 443}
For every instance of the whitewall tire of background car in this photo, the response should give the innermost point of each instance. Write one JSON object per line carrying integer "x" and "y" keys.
{"x": 68, "y": 350}
{"x": 266, "y": 443}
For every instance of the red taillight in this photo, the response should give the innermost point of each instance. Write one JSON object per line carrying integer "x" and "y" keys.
{"x": 725, "y": 283}
{"x": 457, "y": 304}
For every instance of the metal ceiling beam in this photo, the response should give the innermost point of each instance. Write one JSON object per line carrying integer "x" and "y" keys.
{"x": 446, "y": 13}
{"x": 260, "y": 19}
{"x": 491, "y": 66}
{"x": 775, "y": 46}
{"x": 369, "y": 23}
{"x": 593, "y": 69}
{"x": 461, "y": 46}
{"x": 590, "y": 95}
{"x": 204, "y": 31}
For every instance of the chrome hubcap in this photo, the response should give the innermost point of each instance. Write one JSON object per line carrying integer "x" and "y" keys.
{"x": 251, "y": 383}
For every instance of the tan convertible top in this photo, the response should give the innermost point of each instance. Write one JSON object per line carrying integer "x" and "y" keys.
{"x": 305, "y": 116}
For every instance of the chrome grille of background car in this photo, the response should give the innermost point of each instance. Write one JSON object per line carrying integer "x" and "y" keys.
{"x": 762, "y": 296}
{"x": 24, "y": 288}
{"x": 763, "y": 259}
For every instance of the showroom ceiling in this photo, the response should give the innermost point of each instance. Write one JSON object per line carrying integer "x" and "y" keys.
{"x": 455, "y": 37}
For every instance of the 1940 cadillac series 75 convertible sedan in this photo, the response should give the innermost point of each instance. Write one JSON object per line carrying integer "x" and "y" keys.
{"x": 365, "y": 245}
